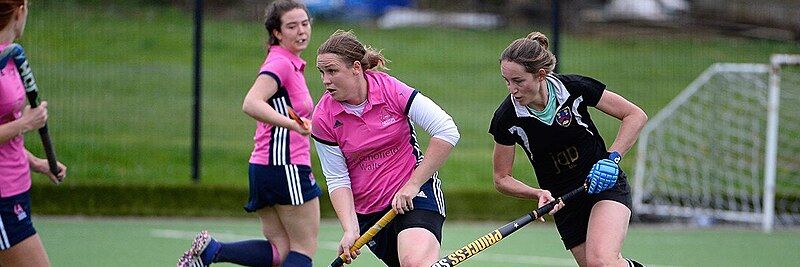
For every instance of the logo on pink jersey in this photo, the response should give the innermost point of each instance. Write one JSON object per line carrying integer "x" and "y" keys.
{"x": 21, "y": 215}
{"x": 372, "y": 162}
{"x": 386, "y": 118}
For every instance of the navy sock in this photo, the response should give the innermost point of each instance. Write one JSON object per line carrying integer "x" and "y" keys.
{"x": 296, "y": 259}
{"x": 248, "y": 253}
{"x": 210, "y": 252}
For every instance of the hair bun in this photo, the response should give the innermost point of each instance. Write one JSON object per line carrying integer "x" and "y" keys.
{"x": 539, "y": 38}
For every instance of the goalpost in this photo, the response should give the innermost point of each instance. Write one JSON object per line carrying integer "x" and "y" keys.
{"x": 726, "y": 148}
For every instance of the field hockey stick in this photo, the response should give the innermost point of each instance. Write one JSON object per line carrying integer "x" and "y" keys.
{"x": 293, "y": 116}
{"x": 494, "y": 237}
{"x": 366, "y": 237}
{"x": 16, "y": 52}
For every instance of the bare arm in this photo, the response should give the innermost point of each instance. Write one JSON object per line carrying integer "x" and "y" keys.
{"x": 504, "y": 182}
{"x": 444, "y": 136}
{"x": 10, "y": 130}
{"x": 342, "y": 201}
{"x": 337, "y": 177}
{"x": 31, "y": 119}
{"x": 633, "y": 119}
{"x": 40, "y": 165}
{"x": 255, "y": 105}
{"x": 435, "y": 156}
{"x": 503, "y": 163}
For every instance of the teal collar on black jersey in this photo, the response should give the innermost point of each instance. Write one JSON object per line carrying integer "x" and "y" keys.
{"x": 549, "y": 112}
{"x": 561, "y": 96}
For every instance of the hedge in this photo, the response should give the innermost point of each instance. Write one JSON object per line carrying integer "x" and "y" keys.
{"x": 222, "y": 201}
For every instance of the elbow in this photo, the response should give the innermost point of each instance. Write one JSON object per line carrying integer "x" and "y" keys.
{"x": 643, "y": 117}
{"x": 247, "y": 107}
{"x": 498, "y": 184}
{"x": 636, "y": 116}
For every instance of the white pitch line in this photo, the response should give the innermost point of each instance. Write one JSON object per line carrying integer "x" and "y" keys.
{"x": 330, "y": 245}
{"x": 177, "y": 234}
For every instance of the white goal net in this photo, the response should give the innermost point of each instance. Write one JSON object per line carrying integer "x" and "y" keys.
{"x": 727, "y": 148}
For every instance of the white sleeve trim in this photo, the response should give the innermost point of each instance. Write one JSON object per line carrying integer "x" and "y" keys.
{"x": 334, "y": 166}
{"x": 424, "y": 112}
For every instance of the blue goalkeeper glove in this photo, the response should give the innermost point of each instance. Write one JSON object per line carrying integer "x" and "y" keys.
{"x": 604, "y": 173}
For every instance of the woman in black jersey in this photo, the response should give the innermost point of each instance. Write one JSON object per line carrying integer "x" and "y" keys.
{"x": 546, "y": 114}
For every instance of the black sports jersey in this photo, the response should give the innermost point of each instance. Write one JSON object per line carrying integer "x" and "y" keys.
{"x": 563, "y": 152}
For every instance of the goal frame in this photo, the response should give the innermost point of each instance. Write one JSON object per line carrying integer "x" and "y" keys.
{"x": 767, "y": 216}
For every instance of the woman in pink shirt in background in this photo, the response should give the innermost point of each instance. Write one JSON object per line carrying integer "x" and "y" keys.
{"x": 282, "y": 189}
{"x": 19, "y": 243}
{"x": 372, "y": 162}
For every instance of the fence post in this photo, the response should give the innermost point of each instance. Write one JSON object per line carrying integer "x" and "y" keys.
{"x": 197, "y": 82}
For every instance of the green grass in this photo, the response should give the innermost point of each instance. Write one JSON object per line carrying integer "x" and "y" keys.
{"x": 158, "y": 242}
{"x": 119, "y": 83}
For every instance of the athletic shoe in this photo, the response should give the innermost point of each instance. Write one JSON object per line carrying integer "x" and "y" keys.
{"x": 189, "y": 260}
{"x": 201, "y": 254}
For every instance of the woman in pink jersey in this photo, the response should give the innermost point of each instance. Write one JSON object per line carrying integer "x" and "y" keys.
{"x": 19, "y": 243}
{"x": 282, "y": 189}
{"x": 370, "y": 156}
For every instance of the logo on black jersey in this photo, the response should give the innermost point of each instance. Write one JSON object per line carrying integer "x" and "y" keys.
{"x": 337, "y": 124}
{"x": 566, "y": 158}
{"x": 564, "y": 117}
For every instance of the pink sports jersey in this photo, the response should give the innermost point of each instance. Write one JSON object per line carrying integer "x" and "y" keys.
{"x": 278, "y": 145}
{"x": 15, "y": 176}
{"x": 380, "y": 147}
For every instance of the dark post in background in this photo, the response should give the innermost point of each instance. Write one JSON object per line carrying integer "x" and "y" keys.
{"x": 555, "y": 24}
{"x": 198, "y": 53}
{"x": 197, "y": 82}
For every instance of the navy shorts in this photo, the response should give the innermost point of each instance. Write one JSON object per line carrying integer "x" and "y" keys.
{"x": 428, "y": 213}
{"x": 572, "y": 220}
{"x": 15, "y": 220}
{"x": 280, "y": 185}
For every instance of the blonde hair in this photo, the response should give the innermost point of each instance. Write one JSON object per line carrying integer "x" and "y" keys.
{"x": 531, "y": 52}
{"x": 349, "y": 49}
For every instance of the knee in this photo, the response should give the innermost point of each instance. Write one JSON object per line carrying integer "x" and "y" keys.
{"x": 281, "y": 244}
{"x": 278, "y": 241}
{"x": 305, "y": 246}
{"x": 411, "y": 261}
{"x": 601, "y": 261}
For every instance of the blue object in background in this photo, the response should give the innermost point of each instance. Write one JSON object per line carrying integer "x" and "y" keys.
{"x": 352, "y": 10}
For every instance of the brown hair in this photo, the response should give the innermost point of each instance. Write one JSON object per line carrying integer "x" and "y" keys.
{"x": 349, "y": 49}
{"x": 7, "y": 8}
{"x": 530, "y": 52}
{"x": 273, "y": 14}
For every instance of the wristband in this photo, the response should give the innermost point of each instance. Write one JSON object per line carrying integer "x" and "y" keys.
{"x": 615, "y": 157}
